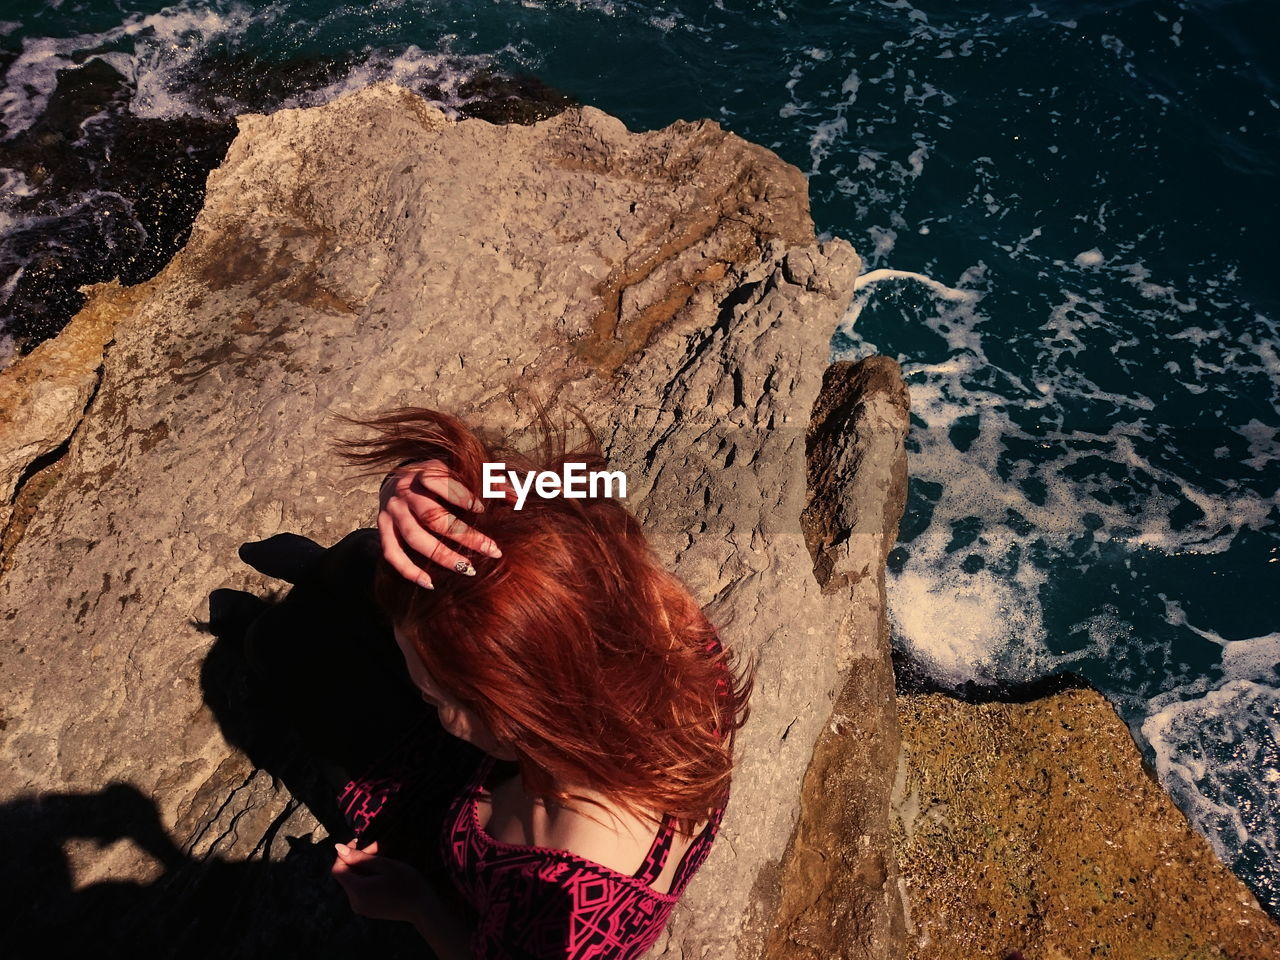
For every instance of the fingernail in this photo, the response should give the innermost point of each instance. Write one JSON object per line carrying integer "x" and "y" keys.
{"x": 463, "y": 567}
{"x": 493, "y": 550}
{"x": 425, "y": 582}
{"x": 342, "y": 848}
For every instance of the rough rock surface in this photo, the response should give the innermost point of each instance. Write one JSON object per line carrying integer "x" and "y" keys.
{"x": 1032, "y": 830}
{"x": 366, "y": 254}
{"x": 839, "y": 883}
{"x": 43, "y": 395}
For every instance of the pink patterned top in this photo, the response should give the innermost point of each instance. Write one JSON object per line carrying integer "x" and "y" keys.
{"x": 536, "y": 903}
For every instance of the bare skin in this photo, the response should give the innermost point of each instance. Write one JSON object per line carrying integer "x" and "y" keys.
{"x": 605, "y": 835}
{"x": 611, "y": 838}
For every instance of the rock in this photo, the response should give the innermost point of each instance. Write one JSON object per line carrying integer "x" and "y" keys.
{"x": 1034, "y": 828}
{"x": 44, "y": 394}
{"x": 839, "y": 884}
{"x": 368, "y": 254}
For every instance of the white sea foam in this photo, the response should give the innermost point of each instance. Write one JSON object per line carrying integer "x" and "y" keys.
{"x": 1218, "y": 755}
{"x": 164, "y": 52}
{"x": 1084, "y": 411}
{"x": 8, "y": 351}
{"x": 913, "y": 13}
{"x": 823, "y": 139}
{"x": 974, "y": 610}
{"x": 163, "y": 42}
{"x": 13, "y": 187}
{"x": 1263, "y": 448}
{"x": 31, "y": 78}
{"x": 882, "y": 241}
{"x": 1030, "y": 514}
{"x": 1249, "y": 658}
{"x": 1138, "y": 276}
{"x": 915, "y": 160}
{"x": 850, "y": 86}
{"x": 951, "y": 294}
{"x": 165, "y": 60}
{"x": 412, "y": 67}
{"x": 604, "y": 7}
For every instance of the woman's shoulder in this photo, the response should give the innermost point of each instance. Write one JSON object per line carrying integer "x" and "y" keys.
{"x": 619, "y": 840}
{"x": 601, "y": 833}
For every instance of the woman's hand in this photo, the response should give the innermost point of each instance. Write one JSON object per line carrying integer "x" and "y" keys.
{"x": 409, "y": 516}
{"x": 379, "y": 887}
{"x": 386, "y": 889}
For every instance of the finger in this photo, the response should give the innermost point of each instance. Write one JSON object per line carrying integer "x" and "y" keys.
{"x": 394, "y": 484}
{"x": 443, "y": 522}
{"x": 353, "y": 859}
{"x": 411, "y": 530}
{"x": 372, "y": 848}
{"x": 346, "y": 853}
{"x": 436, "y": 477}
{"x": 394, "y": 554}
{"x": 448, "y": 487}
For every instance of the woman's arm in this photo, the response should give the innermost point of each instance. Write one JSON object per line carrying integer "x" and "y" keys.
{"x": 443, "y": 930}
{"x": 386, "y": 889}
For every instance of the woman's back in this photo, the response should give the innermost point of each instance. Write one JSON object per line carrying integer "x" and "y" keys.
{"x": 616, "y": 839}
{"x": 535, "y": 901}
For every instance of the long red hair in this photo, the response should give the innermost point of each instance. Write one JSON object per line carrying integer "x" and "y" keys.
{"x": 576, "y": 648}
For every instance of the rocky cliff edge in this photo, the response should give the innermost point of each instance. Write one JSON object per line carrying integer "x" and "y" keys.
{"x": 371, "y": 253}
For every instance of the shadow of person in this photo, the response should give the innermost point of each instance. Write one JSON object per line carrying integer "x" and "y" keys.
{"x": 196, "y": 908}
{"x": 313, "y": 689}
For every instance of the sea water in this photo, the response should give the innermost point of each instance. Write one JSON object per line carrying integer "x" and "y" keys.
{"x": 1067, "y": 213}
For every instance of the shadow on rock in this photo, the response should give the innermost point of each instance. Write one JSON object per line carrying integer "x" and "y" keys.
{"x": 196, "y": 908}
{"x": 312, "y": 689}
{"x": 912, "y": 677}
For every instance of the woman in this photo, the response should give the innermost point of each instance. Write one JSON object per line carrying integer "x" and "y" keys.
{"x": 600, "y": 703}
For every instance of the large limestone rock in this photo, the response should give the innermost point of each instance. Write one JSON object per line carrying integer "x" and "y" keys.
{"x": 370, "y": 253}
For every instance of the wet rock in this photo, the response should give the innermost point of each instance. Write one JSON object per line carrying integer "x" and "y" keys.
{"x": 43, "y": 398}
{"x": 1033, "y": 828}
{"x": 112, "y": 195}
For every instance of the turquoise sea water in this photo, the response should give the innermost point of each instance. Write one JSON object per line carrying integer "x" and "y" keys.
{"x": 1067, "y": 213}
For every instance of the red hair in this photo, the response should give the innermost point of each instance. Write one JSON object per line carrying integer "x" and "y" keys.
{"x": 576, "y": 648}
